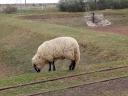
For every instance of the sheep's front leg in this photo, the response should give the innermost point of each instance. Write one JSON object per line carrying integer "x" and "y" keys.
{"x": 72, "y": 65}
{"x": 50, "y": 66}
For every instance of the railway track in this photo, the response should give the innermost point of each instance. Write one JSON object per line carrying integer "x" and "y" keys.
{"x": 41, "y": 93}
{"x": 59, "y": 78}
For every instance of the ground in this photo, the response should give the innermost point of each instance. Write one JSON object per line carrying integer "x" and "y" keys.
{"x": 21, "y": 34}
{"x": 115, "y": 29}
{"x": 110, "y": 88}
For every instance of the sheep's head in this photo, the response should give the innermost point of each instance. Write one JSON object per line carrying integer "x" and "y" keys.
{"x": 38, "y": 63}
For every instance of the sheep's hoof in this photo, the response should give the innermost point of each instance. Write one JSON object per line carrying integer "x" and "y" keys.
{"x": 54, "y": 69}
{"x": 70, "y": 67}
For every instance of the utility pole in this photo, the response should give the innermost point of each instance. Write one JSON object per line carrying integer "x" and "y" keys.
{"x": 25, "y": 2}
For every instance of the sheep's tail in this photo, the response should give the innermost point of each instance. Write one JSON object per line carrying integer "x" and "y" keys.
{"x": 77, "y": 56}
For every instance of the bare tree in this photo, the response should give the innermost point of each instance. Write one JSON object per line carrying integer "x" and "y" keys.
{"x": 95, "y": 4}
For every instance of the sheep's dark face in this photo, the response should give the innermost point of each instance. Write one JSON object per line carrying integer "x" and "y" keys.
{"x": 36, "y": 68}
{"x": 37, "y": 63}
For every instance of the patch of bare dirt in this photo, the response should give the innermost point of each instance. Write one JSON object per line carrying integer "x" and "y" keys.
{"x": 113, "y": 14}
{"x": 114, "y": 29}
{"x": 59, "y": 19}
{"x": 110, "y": 88}
{"x": 49, "y": 16}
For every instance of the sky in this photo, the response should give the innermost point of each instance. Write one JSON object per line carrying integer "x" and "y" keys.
{"x": 28, "y": 1}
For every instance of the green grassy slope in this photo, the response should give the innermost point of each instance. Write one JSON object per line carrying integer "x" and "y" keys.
{"x": 20, "y": 38}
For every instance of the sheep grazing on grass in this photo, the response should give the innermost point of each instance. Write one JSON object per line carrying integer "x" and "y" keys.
{"x": 58, "y": 48}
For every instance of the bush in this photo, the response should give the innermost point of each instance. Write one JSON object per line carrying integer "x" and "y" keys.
{"x": 108, "y": 4}
{"x": 10, "y": 9}
{"x": 120, "y": 4}
{"x": 72, "y": 5}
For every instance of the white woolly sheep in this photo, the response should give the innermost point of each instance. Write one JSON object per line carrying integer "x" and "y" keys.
{"x": 58, "y": 48}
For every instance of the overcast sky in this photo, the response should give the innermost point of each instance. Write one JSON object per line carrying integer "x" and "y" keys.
{"x": 28, "y": 1}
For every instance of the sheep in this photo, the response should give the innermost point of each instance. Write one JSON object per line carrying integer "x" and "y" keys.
{"x": 57, "y": 48}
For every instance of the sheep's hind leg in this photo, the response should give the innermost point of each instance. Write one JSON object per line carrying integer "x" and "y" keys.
{"x": 54, "y": 67}
{"x": 72, "y": 65}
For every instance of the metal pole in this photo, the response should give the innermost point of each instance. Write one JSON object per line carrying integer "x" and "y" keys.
{"x": 93, "y": 17}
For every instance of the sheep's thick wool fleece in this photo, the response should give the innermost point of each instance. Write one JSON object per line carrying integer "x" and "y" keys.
{"x": 59, "y": 48}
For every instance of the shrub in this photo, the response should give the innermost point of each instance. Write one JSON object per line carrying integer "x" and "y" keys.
{"x": 10, "y": 9}
{"x": 72, "y": 5}
{"x": 108, "y": 4}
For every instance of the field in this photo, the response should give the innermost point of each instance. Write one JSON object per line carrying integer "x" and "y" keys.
{"x": 101, "y": 48}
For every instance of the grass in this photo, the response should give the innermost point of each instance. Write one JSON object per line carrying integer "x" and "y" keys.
{"x": 30, "y": 77}
{"x": 61, "y": 84}
{"x": 20, "y": 38}
{"x": 118, "y": 17}
{"x": 18, "y": 48}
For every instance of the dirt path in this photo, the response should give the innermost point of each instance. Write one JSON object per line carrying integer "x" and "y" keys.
{"x": 114, "y": 29}
{"x": 110, "y": 88}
